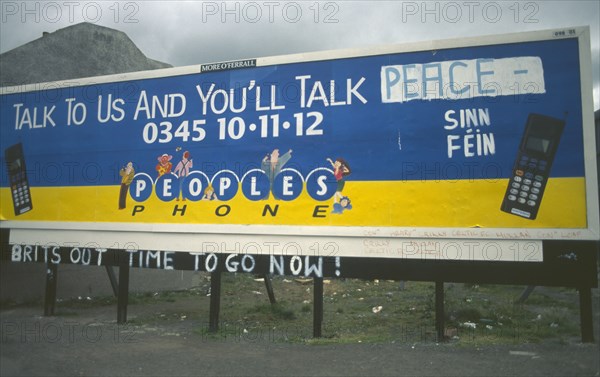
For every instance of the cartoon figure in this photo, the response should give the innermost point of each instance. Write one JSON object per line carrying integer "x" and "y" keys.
{"x": 344, "y": 204}
{"x": 341, "y": 170}
{"x": 127, "y": 173}
{"x": 164, "y": 165}
{"x": 209, "y": 193}
{"x": 273, "y": 163}
{"x": 183, "y": 169}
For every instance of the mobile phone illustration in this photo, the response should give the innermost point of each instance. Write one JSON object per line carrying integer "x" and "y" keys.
{"x": 17, "y": 177}
{"x": 532, "y": 166}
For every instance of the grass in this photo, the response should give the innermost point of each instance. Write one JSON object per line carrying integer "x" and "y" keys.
{"x": 496, "y": 318}
{"x": 358, "y": 311}
{"x": 475, "y": 314}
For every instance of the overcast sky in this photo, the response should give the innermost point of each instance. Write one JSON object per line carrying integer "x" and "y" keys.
{"x": 194, "y": 32}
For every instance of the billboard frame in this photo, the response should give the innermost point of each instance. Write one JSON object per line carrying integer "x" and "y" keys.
{"x": 147, "y": 235}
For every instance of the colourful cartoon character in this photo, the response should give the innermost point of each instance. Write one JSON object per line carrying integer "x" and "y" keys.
{"x": 343, "y": 205}
{"x": 341, "y": 170}
{"x": 164, "y": 165}
{"x": 127, "y": 173}
{"x": 273, "y": 163}
{"x": 183, "y": 169}
{"x": 209, "y": 193}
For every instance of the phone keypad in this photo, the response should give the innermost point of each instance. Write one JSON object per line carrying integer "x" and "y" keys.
{"x": 20, "y": 189}
{"x": 528, "y": 181}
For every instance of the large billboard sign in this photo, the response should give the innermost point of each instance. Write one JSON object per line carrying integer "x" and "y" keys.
{"x": 484, "y": 138}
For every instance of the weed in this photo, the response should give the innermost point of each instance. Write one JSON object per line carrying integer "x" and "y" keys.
{"x": 273, "y": 311}
{"x": 483, "y": 314}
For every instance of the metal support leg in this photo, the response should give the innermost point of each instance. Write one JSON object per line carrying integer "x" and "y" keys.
{"x": 525, "y": 294}
{"x": 123, "y": 296}
{"x": 50, "y": 296}
{"x": 439, "y": 310}
{"x": 269, "y": 286}
{"x": 585, "y": 314}
{"x": 113, "y": 280}
{"x": 215, "y": 301}
{"x": 317, "y": 307}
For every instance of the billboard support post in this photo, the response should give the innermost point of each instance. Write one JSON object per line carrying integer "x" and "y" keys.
{"x": 585, "y": 314}
{"x": 317, "y": 307}
{"x": 269, "y": 286}
{"x": 439, "y": 310}
{"x": 51, "y": 281}
{"x": 215, "y": 301}
{"x": 525, "y": 294}
{"x": 113, "y": 280}
{"x": 123, "y": 297}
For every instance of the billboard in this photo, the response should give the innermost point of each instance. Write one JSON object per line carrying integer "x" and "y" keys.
{"x": 484, "y": 138}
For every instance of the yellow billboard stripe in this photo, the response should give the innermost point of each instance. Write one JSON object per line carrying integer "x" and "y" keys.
{"x": 443, "y": 204}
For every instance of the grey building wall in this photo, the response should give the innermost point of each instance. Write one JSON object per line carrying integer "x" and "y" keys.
{"x": 81, "y": 50}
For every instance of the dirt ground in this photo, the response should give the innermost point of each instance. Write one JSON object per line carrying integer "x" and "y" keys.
{"x": 88, "y": 342}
